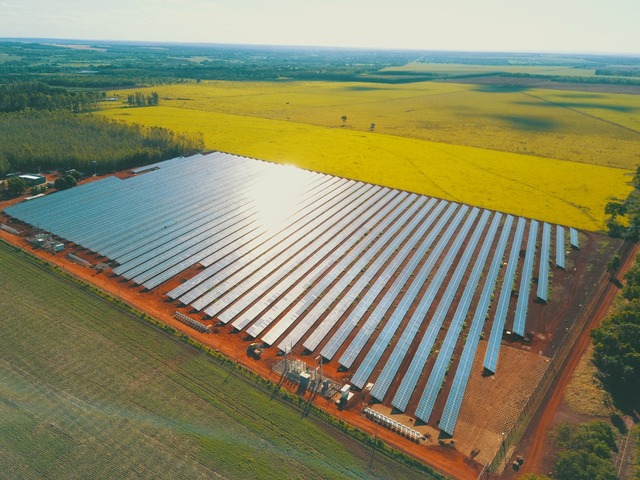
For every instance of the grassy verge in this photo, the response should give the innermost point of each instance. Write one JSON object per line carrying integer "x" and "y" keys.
{"x": 585, "y": 394}
{"x": 87, "y": 391}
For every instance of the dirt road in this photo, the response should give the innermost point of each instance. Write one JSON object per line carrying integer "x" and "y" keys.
{"x": 534, "y": 446}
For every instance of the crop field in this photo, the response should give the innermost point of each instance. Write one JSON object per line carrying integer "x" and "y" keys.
{"x": 595, "y": 128}
{"x": 90, "y": 392}
{"x": 470, "y": 69}
{"x": 542, "y": 188}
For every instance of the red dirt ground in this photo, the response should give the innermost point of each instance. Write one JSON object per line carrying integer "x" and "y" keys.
{"x": 535, "y": 447}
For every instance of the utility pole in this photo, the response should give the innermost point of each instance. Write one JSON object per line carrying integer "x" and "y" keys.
{"x": 375, "y": 442}
{"x": 319, "y": 384}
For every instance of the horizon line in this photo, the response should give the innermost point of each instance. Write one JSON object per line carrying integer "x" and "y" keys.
{"x": 327, "y": 47}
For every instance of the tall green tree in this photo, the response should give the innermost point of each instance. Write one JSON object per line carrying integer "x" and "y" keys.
{"x": 585, "y": 452}
{"x": 16, "y": 186}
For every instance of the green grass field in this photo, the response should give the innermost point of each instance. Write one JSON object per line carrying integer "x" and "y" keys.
{"x": 89, "y": 391}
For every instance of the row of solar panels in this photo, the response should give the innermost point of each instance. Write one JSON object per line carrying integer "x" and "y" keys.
{"x": 345, "y": 259}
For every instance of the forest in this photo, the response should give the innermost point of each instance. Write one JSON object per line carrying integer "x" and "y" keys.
{"x": 47, "y": 128}
{"x": 617, "y": 343}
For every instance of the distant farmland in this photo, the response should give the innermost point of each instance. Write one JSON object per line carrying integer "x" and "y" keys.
{"x": 596, "y": 128}
{"x": 88, "y": 391}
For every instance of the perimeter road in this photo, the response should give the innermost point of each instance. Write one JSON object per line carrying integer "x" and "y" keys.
{"x": 533, "y": 442}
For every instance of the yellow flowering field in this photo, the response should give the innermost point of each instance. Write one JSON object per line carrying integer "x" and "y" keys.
{"x": 568, "y": 193}
{"x": 596, "y": 128}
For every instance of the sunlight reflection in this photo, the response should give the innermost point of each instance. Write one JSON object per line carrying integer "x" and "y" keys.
{"x": 276, "y": 195}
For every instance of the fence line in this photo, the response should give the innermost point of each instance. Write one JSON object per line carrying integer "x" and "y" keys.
{"x": 542, "y": 388}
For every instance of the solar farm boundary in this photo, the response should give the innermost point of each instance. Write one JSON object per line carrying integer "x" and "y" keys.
{"x": 515, "y": 433}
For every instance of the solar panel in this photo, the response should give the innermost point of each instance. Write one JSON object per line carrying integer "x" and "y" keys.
{"x": 230, "y": 197}
{"x": 187, "y": 253}
{"x": 525, "y": 281}
{"x": 368, "y": 249}
{"x": 233, "y": 259}
{"x": 318, "y": 289}
{"x": 382, "y": 341}
{"x": 420, "y": 356}
{"x": 573, "y": 234}
{"x": 358, "y": 243}
{"x": 493, "y": 348}
{"x": 361, "y": 338}
{"x": 260, "y": 264}
{"x": 296, "y": 266}
{"x": 456, "y": 393}
{"x": 376, "y": 266}
{"x": 346, "y": 226}
{"x": 543, "y": 273}
{"x": 431, "y": 390}
{"x": 218, "y": 259}
{"x": 416, "y": 239}
{"x": 560, "y": 247}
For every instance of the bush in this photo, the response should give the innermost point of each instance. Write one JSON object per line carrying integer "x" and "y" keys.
{"x": 585, "y": 452}
{"x": 16, "y": 186}
{"x": 70, "y": 181}
{"x": 60, "y": 184}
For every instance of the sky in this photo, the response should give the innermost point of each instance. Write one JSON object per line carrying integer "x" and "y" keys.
{"x": 593, "y": 26}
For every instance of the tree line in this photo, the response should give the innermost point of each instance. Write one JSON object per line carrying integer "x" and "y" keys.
{"x": 49, "y": 140}
{"x": 139, "y": 99}
{"x": 624, "y": 215}
{"x": 584, "y": 453}
{"x": 36, "y": 95}
{"x": 617, "y": 344}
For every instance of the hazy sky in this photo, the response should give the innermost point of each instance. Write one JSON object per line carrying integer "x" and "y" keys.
{"x": 504, "y": 25}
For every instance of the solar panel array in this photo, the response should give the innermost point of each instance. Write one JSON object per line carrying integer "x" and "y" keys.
{"x": 543, "y": 274}
{"x": 302, "y": 259}
{"x": 493, "y": 349}
{"x": 525, "y": 280}
{"x": 560, "y": 247}
{"x": 459, "y": 384}
{"x": 573, "y": 234}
